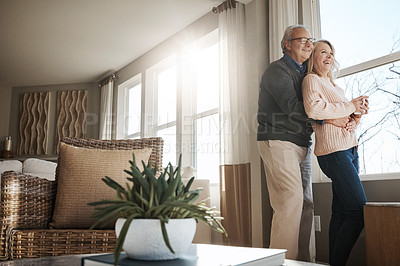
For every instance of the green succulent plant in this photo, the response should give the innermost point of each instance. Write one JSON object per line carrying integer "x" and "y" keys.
{"x": 150, "y": 197}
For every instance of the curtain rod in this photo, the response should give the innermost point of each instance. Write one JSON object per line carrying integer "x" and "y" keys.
{"x": 228, "y": 4}
{"x": 107, "y": 80}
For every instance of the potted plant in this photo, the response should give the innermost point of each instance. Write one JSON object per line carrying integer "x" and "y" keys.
{"x": 163, "y": 198}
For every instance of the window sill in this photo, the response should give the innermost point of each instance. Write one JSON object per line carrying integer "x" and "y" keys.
{"x": 370, "y": 177}
{"x": 382, "y": 176}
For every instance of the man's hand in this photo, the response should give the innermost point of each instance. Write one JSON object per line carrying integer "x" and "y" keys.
{"x": 351, "y": 125}
{"x": 339, "y": 122}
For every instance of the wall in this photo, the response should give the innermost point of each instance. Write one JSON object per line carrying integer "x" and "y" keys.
{"x": 5, "y": 103}
{"x": 375, "y": 190}
{"x": 92, "y": 110}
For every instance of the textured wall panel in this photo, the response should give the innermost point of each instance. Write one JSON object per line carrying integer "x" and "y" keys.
{"x": 33, "y": 123}
{"x": 71, "y": 115}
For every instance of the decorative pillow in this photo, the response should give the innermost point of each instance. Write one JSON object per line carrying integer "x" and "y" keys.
{"x": 10, "y": 165}
{"x": 80, "y": 171}
{"x": 40, "y": 168}
{"x": 188, "y": 172}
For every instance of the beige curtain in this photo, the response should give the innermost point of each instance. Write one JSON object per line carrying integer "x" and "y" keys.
{"x": 281, "y": 15}
{"x": 235, "y": 189}
{"x": 236, "y": 204}
{"x": 107, "y": 89}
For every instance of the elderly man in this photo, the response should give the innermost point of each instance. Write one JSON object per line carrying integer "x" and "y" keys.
{"x": 284, "y": 140}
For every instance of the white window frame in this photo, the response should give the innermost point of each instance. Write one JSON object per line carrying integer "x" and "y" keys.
{"x": 367, "y": 65}
{"x": 186, "y": 116}
{"x": 122, "y": 107}
{"x": 189, "y": 115}
{"x": 151, "y": 125}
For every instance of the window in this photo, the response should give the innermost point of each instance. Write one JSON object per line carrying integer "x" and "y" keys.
{"x": 180, "y": 103}
{"x": 129, "y": 108}
{"x": 205, "y": 116}
{"x": 207, "y": 147}
{"x": 378, "y": 133}
{"x": 161, "y": 102}
{"x": 356, "y": 36}
{"x": 369, "y": 54}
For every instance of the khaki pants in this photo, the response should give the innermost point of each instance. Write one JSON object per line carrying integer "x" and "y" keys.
{"x": 288, "y": 172}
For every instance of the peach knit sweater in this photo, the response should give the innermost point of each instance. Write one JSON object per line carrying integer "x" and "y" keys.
{"x": 322, "y": 100}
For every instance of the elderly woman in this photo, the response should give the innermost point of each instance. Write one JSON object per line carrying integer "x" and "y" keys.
{"x": 336, "y": 148}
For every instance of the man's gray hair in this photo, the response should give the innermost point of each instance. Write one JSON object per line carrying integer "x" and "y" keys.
{"x": 287, "y": 36}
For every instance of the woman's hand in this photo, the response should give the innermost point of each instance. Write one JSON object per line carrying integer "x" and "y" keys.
{"x": 361, "y": 103}
{"x": 366, "y": 104}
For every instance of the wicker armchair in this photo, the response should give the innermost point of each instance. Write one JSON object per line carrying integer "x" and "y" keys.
{"x": 27, "y": 203}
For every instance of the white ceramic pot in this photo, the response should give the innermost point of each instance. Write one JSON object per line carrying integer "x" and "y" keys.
{"x": 144, "y": 240}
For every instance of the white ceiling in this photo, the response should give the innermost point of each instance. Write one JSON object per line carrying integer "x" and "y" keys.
{"x": 45, "y": 42}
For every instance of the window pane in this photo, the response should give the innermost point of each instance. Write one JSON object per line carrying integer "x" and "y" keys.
{"x": 167, "y": 95}
{"x": 360, "y": 31}
{"x": 134, "y": 109}
{"x": 207, "y": 79}
{"x": 169, "y": 151}
{"x": 207, "y": 148}
{"x": 379, "y": 131}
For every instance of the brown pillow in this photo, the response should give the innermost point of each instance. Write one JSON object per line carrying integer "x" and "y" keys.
{"x": 79, "y": 181}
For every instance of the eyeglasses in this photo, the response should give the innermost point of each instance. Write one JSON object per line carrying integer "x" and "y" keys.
{"x": 304, "y": 40}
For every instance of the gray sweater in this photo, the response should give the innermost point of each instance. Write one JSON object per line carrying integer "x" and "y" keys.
{"x": 281, "y": 114}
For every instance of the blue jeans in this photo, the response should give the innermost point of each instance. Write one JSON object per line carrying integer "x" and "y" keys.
{"x": 347, "y": 219}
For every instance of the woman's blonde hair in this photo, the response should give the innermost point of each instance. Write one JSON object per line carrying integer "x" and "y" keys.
{"x": 335, "y": 66}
